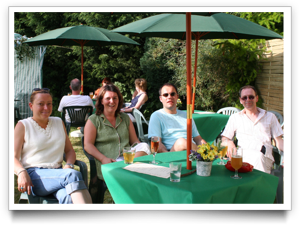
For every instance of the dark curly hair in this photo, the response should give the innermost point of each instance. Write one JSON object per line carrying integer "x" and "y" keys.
{"x": 103, "y": 90}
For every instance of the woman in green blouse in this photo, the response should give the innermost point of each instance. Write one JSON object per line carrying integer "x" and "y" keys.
{"x": 108, "y": 131}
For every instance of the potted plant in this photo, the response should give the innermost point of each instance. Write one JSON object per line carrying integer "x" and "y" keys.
{"x": 204, "y": 156}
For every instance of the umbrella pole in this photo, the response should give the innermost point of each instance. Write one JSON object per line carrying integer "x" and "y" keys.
{"x": 82, "y": 68}
{"x": 188, "y": 89}
{"x": 195, "y": 73}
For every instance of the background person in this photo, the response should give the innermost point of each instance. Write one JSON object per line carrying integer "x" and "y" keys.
{"x": 74, "y": 100}
{"x": 39, "y": 144}
{"x": 139, "y": 97}
{"x": 105, "y": 81}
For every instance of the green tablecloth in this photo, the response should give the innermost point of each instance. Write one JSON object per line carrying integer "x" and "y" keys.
{"x": 128, "y": 187}
{"x": 210, "y": 125}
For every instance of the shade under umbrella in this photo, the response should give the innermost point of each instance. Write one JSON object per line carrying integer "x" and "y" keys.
{"x": 80, "y": 36}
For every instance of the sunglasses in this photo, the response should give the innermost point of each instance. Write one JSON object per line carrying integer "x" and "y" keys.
{"x": 251, "y": 97}
{"x": 167, "y": 94}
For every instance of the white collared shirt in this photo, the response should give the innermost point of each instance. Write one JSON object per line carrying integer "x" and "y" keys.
{"x": 251, "y": 135}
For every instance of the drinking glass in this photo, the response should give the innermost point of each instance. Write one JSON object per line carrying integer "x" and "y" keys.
{"x": 237, "y": 161}
{"x": 91, "y": 95}
{"x": 154, "y": 147}
{"x": 128, "y": 154}
{"x": 223, "y": 151}
{"x": 175, "y": 171}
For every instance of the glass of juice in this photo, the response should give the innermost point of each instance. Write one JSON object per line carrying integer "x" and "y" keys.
{"x": 223, "y": 151}
{"x": 154, "y": 147}
{"x": 128, "y": 154}
{"x": 237, "y": 161}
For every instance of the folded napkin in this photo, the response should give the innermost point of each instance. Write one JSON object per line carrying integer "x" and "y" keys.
{"x": 246, "y": 167}
{"x": 150, "y": 169}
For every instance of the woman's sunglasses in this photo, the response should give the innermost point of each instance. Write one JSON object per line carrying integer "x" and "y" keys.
{"x": 167, "y": 94}
{"x": 251, "y": 97}
{"x": 38, "y": 89}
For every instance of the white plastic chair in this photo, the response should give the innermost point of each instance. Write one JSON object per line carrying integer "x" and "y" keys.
{"x": 140, "y": 119}
{"x": 279, "y": 117}
{"x": 228, "y": 110}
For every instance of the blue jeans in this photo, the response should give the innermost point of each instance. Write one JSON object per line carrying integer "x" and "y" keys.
{"x": 59, "y": 182}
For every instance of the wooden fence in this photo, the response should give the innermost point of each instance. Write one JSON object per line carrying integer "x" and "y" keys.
{"x": 270, "y": 81}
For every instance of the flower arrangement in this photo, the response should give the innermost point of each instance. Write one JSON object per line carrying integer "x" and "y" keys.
{"x": 206, "y": 152}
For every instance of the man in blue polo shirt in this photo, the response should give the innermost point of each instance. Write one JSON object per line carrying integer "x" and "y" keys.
{"x": 169, "y": 123}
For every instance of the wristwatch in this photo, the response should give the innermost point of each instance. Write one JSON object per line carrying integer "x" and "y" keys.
{"x": 71, "y": 165}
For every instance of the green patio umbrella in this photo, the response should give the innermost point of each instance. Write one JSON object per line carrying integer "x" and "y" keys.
{"x": 215, "y": 26}
{"x": 200, "y": 25}
{"x": 80, "y": 36}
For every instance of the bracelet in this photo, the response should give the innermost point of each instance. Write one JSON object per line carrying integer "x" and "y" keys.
{"x": 20, "y": 171}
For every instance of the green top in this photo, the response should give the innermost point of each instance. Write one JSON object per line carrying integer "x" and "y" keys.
{"x": 110, "y": 140}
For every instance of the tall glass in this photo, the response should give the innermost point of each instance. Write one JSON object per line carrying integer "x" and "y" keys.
{"x": 237, "y": 161}
{"x": 223, "y": 151}
{"x": 154, "y": 147}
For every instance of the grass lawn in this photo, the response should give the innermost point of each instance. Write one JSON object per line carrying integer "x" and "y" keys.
{"x": 76, "y": 143}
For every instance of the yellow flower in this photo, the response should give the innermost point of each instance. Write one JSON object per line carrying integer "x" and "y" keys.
{"x": 200, "y": 150}
{"x": 211, "y": 155}
{"x": 204, "y": 156}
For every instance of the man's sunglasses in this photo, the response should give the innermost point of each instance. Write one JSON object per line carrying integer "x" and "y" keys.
{"x": 167, "y": 94}
{"x": 39, "y": 89}
{"x": 251, "y": 97}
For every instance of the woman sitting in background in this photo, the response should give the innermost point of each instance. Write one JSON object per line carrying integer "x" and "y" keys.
{"x": 139, "y": 97}
{"x": 39, "y": 144}
{"x": 108, "y": 131}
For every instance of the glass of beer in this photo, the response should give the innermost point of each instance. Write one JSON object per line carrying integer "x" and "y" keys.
{"x": 223, "y": 151}
{"x": 91, "y": 95}
{"x": 128, "y": 154}
{"x": 237, "y": 161}
{"x": 154, "y": 147}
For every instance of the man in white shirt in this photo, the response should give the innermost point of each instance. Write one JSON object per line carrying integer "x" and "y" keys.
{"x": 74, "y": 100}
{"x": 169, "y": 123}
{"x": 254, "y": 128}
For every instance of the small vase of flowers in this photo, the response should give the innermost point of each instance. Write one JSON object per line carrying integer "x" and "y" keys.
{"x": 205, "y": 155}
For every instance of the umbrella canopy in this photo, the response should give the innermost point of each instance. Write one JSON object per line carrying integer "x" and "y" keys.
{"x": 216, "y": 26}
{"x": 80, "y": 36}
{"x": 187, "y": 27}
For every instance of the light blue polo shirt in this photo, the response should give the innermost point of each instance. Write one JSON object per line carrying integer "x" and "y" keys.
{"x": 170, "y": 127}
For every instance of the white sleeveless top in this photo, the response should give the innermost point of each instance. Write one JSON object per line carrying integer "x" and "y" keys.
{"x": 43, "y": 147}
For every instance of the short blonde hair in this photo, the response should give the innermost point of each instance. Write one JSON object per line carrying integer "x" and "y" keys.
{"x": 141, "y": 83}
